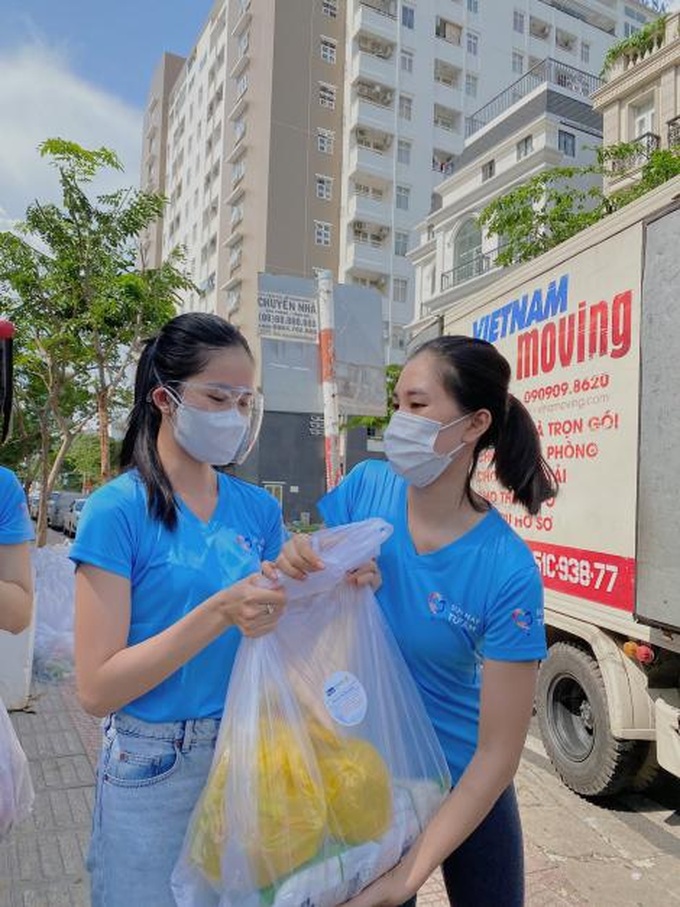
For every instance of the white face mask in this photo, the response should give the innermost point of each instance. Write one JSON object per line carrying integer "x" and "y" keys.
{"x": 210, "y": 437}
{"x": 409, "y": 446}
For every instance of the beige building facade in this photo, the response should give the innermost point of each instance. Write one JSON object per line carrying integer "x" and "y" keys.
{"x": 640, "y": 102}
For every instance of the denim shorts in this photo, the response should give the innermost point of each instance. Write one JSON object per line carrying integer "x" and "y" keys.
{"x": 149, "y": 779}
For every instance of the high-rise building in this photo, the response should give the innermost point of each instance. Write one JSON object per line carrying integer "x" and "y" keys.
{"x": 310, "y": 134}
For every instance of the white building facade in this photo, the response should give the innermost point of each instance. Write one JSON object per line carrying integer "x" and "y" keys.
{"x": 416, "y": 71}
{"x": 548, "y": 121}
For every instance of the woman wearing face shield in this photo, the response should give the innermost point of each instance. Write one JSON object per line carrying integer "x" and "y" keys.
{"x": 169, "y": 560}
{"x": 464, "y": 599}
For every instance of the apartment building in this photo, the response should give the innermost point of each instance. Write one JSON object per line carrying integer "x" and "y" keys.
{"x": 640, "y": 101}
{"x": 310, "y": 134}
{"x": 415, "y": 72}
{"x": 542, "y": 120}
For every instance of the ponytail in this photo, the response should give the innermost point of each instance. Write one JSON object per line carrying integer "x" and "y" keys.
{"x": 139, "y": 448}
{"x": 519, "y": 464}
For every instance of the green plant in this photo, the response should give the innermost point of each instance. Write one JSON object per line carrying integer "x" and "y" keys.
{"x": 636, "y": 45}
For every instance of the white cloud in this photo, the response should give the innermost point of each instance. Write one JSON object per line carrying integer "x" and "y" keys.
{"x": 41, "y": 97}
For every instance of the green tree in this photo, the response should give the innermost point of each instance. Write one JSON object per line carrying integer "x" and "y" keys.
{"x": 84, "y": 458}
{"x": 69, "y": 279}
{"x": 552, "y": 206}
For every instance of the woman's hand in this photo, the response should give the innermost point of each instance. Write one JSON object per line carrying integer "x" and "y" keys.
{"x": 250, "y": 605}
{"x": 389, "y": 890}
{"x": 365, "y": 575}
{"x": 297, "y": 558}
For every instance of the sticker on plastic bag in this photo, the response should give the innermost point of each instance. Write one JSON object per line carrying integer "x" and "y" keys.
{"x": 345, "y": 698}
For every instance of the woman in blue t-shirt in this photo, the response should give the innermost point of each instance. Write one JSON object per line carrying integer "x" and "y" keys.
{"x": 169, "y": 558}
{"x": 16, "y": 531}
{"x": 463, "y": 596}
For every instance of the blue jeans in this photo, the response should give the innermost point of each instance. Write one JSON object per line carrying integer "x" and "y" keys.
{"x": 487, "y": 870}
{"x": 149, "y": 779}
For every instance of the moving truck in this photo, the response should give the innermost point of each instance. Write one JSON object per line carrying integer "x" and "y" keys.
{"x": 592, "y": 332}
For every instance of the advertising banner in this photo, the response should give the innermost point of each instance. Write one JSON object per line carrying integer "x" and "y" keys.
{"x": 572, "y": 340}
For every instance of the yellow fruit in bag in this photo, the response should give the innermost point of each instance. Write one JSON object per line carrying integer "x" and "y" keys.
{"x": 291, "y": 807}
{"x": 356, "y": 783}
{"x": 209, "y": 831}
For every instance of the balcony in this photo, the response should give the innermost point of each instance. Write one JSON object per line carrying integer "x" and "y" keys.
{"x": 378, "y": 18}
{"x": 369, "y": 254}
{"x": 369, "y": 209}
{"x": 479, "y": 264}
{"x": 636, "y": 154}
{"x": 242, "y": 18}
{"x": 374, "y": 68}
{"x": 674, "y": 132}
{"x": 374, "y": 116}
{"x": 370, "y": 161}
{"x": 546, "y": 72}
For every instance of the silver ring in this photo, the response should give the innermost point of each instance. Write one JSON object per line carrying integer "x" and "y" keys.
{"x": 269, "y": 608}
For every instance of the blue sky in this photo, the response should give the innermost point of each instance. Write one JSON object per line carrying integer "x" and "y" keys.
{"x": 79, "y": 69}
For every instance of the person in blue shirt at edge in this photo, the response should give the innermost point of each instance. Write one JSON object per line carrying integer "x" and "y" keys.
{"x": 16, "y": 531}
{"x": 463, "y": 596}
{"x": 169, "y": 560}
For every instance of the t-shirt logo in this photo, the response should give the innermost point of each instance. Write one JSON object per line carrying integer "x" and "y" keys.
{"x": 522, "y": 619}
{"x": 436, "y": 603}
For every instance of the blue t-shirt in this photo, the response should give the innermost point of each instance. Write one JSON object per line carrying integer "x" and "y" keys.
{"x": 172, "y": 571}
{"x": 15, "y": 523}
{"x": 479, "y": 597}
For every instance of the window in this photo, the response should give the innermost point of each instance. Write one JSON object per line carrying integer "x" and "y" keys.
{"x": 328, "y": 49}
{"x": 449, "y": 31}
{"x": 327, "y": 95}
{"x": 403, "y": 196}
{"x": 642, "y": 117}
{"x": 445, "y": 117}
{"x": 517, "y": 62}
{"x": 399, "y": 289}
{"x": 404, "y": 152}
{"x": 467, "y": 251}
{"x": 472, "y": 43}
{"x": 518, "y": 22}
{"x": 585, "y": 52}
{"x": 471, "y": 82}
{"x": 330, "y": 8}
{"x": 406, "y": 61}
{"x": 400, "y": 243}
{"x": 566, "y": 142}
{"x": 488, "y": 169}
{"x": 325, "y": 140}
{"x": 324, "y": 187}
{"x": 408, "y": 16}
{"x": 322, "y": 233}
{"x": 473, "y": 6}
{"x": 629, "y": 29}
{"x": 405, "y": 107}
{"x": 524, "y": 147}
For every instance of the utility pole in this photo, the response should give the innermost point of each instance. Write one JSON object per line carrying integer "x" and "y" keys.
{"x": 331, "y": 416}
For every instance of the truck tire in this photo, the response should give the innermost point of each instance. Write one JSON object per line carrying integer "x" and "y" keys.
{"x": 573, "y": 717}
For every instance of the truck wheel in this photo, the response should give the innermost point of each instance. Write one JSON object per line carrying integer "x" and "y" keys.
{"x": 573, "y": 716}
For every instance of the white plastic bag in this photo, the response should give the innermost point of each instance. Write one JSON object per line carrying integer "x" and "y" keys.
{"x": 327, "y": 767}
{"x": 16, "y": 789}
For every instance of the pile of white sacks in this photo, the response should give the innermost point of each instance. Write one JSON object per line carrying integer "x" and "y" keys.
{"x": 54, "y": 607}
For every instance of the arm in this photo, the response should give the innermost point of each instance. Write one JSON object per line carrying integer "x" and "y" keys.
{"x": 110, "y": 674}
{"x": 506, "y": 705}
{"x": 16, "y": 587}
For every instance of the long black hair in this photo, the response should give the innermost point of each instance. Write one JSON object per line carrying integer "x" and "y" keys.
{"x": 181, "y": 349}
{"x": 477, "y": 376}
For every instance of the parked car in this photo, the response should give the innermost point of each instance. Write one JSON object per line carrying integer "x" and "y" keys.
{"x": 57, "y": 507}
{"x": 33, "y": 501}
{"x": 72, "y": 517}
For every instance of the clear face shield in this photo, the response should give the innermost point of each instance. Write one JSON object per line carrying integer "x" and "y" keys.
{"x": 215, "y": 398}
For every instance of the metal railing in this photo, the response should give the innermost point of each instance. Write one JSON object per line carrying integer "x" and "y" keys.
{"x": 674, "y": 132}
{"x": 479, "y": 264}
{"x": 547, "y": 71}
{"x": 641, "y": 149}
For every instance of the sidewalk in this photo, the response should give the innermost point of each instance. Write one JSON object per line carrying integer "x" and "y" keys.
{"x": 576, "y": 853}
